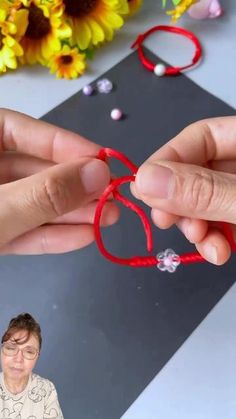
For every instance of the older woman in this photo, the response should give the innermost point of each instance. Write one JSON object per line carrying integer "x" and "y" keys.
{"x": 24, "y": 395}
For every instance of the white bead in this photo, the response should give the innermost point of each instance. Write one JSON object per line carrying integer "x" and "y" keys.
{"x": 159, "y": 69}
{"x": 116, "y": 114}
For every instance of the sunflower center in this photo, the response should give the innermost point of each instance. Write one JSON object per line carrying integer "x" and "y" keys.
{"x": 79, "y": 8}
{"x": 66, "y": 59}
{"x": 39, "y": 25}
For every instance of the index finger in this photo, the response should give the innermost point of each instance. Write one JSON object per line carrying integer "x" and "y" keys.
{"x": 24, "y": 134}
{"x": 201, "y": 142}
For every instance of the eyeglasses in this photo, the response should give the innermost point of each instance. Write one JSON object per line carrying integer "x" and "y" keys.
{"x": 10, "y": 349}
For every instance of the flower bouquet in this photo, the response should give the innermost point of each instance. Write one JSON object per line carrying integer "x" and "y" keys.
{"x": 62, "y": 34}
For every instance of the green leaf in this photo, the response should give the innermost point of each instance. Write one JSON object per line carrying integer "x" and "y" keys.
{"x": 89, "y": 53}
{"x": 175, "y": 2}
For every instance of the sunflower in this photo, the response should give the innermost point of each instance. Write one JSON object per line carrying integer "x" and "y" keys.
{"x": 68, "y": 63}
{"x": 44, "y": 31}
{"x": 134, "y": 6}
{"x": 180, "y": 9}
{"x": 94, "y": 21}
{"x": 9, "y": 47}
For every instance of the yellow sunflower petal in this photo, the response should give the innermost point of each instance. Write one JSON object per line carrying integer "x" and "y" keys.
{"x": 3, "y": 15}
{"x": 64, "y": 31}
{"x": 134, "y": 6}
{"x": 5, "y": 6}
{"x": 122, "y": 7}
{"x": 97, "y": 32}
{"x": 26, "y": 3}
{"x": 11, "y": 62}
{"x": 7, "y": 53}
{"x": 108, "y": 31}
{"x": 83, "y": 34}
{"x": 3, "y": 68}
{"x": 21, "y": 22}
{"x": 12, "y": 45}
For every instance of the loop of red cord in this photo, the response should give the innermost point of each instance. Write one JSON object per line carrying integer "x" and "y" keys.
{"x": 170, "y": 71}
{"x": 113, "y": 188}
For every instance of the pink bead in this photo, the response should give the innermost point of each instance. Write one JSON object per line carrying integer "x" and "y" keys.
{"x": 116, "y": 114}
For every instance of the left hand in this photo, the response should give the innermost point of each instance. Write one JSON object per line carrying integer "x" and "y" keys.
{"x": 50, "y": 181}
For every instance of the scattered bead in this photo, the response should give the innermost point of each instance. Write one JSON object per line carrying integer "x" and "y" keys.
{"x": 116, "y": 114}
{"x": 168, "y": 260}
{"x": 159, "y": 69}
{"x": 87, "y": 90}
{"x": 104, "y": 86}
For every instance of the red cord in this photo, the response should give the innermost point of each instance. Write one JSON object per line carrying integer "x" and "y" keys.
{"x": 169, "y": 71}
{"x": 113, "y": 188}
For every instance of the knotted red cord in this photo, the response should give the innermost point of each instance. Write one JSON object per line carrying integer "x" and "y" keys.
{"x": 169, "y": 71}
{"x": 113, "y": 188}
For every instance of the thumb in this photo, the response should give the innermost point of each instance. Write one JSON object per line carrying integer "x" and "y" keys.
{"x": 38, "y": 199}
{"x": 187, "y": 190}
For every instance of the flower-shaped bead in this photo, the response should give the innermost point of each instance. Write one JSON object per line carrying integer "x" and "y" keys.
{"x": 168, "y": 260}
{"x": 104, "y": 86}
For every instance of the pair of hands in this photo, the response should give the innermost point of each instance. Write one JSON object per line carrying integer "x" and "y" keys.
{"x": 50, "y": 181}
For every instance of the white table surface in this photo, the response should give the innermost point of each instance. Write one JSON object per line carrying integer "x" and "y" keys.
{"x": 199, "y": 381}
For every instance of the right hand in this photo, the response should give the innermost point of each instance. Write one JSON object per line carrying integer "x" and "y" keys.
{"x": 191, "y": 181}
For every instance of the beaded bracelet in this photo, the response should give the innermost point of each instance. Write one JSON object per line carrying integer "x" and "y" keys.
{"x": 160, "y": 69}
{"x": 166, "y": 260}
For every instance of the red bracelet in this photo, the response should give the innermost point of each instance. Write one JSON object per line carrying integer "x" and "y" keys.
{"x": 160, "y": 69}
{"x": 166, "y": 260}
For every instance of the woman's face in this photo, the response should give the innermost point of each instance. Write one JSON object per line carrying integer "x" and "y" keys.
{"x": 17, "y": 367}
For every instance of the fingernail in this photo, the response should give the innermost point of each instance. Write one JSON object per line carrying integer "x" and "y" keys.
{"x": 210, "y": 252}
{"x": 187, "y": 227}
{"x": 94, "y": 176}
{"x": 184, "y": 225}
{"x": 154, "y": 181}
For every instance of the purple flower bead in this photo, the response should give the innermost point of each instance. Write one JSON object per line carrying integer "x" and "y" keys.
{"x": 104, "y": 86}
